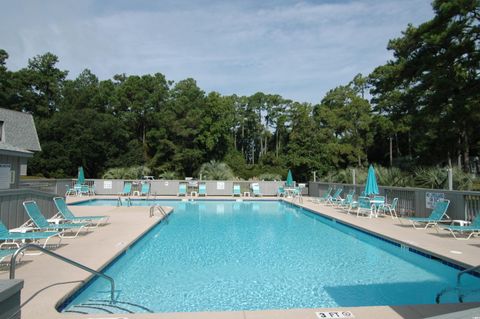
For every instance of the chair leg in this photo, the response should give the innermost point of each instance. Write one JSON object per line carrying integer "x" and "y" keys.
{"x": 393, "y": 211}
{"x": 76, "y": 234}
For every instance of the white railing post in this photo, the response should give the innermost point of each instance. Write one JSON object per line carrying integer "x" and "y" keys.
{"x": 450, "y": 179}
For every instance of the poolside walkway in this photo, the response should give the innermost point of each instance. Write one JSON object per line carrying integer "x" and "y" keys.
{"x": 48, "y": 281}
{"x": 440, "y": 244}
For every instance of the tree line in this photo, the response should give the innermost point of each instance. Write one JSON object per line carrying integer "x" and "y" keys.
{"x": 421, "y": 108}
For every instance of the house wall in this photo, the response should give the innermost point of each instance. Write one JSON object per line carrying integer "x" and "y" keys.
{"x": 12, "y": 213}
{"x": 14, "y": 162}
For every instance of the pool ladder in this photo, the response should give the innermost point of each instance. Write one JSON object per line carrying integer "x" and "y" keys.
{"x": 97, "y": 306}
{"x": 128, "y": 201}
{"x": 159, "y": 209}
{"x": 458, "y": 288}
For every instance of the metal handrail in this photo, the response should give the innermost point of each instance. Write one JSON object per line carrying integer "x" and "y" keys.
{"x": 463, "y": 272}
{"x": 159, "y": 208}
{"x": 13, "y": 262}
{"x": 457, "y": 288}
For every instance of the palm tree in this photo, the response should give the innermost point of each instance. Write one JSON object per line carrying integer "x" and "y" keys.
{"x": 214, "y": 170}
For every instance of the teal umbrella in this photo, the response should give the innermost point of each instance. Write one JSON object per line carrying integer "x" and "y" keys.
{"x": 81, "y": 176}
{"x": 371, "y": 187}
{"x": 289, "y": 182}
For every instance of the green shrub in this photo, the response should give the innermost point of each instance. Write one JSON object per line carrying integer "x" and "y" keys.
{"x": 134, "y": 172}
{"x": 214, "y": 170}
{"x": 269, "y": 177}
{"x": 169, "y": 175}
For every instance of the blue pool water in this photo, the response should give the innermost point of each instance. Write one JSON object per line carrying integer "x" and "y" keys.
{"x": 228, "y": 255}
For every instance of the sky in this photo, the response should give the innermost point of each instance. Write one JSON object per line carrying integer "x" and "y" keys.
{"x": 298, "y": 49}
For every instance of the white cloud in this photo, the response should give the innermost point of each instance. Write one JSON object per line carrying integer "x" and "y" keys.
{"x": 297, "y": 49}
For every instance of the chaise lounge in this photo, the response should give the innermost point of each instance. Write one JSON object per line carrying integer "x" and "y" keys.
{"x": 465, "y": 231}
{"x": 66, "y": 214}
{"x": 437, "y": 215}
{"x": 39, "y": 222}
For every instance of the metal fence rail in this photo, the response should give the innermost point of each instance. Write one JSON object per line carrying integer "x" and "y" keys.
{"x": 464, "y": 205}
{"x": 472, "y": 206}
{"x": 48, "y": 186}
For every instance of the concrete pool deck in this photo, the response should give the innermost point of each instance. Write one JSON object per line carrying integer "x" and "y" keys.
{"x": 48, "y": 281}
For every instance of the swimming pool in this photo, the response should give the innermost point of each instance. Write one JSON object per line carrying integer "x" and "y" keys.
{"x": 251, "y": 255}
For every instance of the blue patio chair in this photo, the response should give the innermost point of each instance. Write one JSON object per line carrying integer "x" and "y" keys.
{"x": 377, "y": 201}
{"x": 127, "y": 188}
{"x": 297, "y": 192}
{"x": 281, "y": 191}
{"x": 466, "y": 231}
{"x": 66, "y": 214}
{"x": 91, "y": 190}
{"x": 390, "y": 208}
{"x": 39, "y": 222}
{"x": 202, "y": 189}
{"x": 145, "y": 190}
{"x": 182, "y": 189}
{"x": 437, "y": 215}
{"x": 85, "y": 189}
{"x": 345, "y": 203}
{"x": 364, "y": 207}
{"x": 70, "y": 191}
{"x": 236, "y": 190}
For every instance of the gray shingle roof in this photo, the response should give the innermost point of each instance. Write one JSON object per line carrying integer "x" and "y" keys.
{"x": 19, "y": 132}
{"x": 9, "y": 149}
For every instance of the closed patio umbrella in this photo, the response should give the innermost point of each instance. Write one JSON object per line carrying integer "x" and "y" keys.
{"x": 371, "y": 186}
{"x": 289, "y": 182}
{"x": 81, "y": 176}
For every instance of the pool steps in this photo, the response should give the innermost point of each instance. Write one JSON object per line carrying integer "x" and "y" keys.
{"x": 102, "y": 306}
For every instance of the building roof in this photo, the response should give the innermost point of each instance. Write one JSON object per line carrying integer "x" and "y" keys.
{"x": 19, "y": 134}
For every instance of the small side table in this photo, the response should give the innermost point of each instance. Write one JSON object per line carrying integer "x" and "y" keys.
{"x": 22, "y": 229}
{"x": 136, "y": 193}
{"x": 460, "y": 222}
{"x": 246, "y": 194}
{"x": 193, "y": 193}
{"x": 56, "y": 221}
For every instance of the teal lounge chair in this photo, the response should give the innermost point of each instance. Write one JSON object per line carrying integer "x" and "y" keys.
{"x": 127, "y": 188}
{"x": 145, "y": 191}
{"x": 4, "y": 253}
{"x": 66, "y": 214}
{"x": 437, "y": 215}
{"x": 18, "y": 238}
{"x": 236, "y": 190}
{"x": 202, "y": 189}
{"x": 467, "y": 231}
{"x": 182, "y": 189}
{"x": 39, "y": 222}
{"x": 256, "y": 189}
{"x": 335, "y": 198}
{"x": 324, "y": 197}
